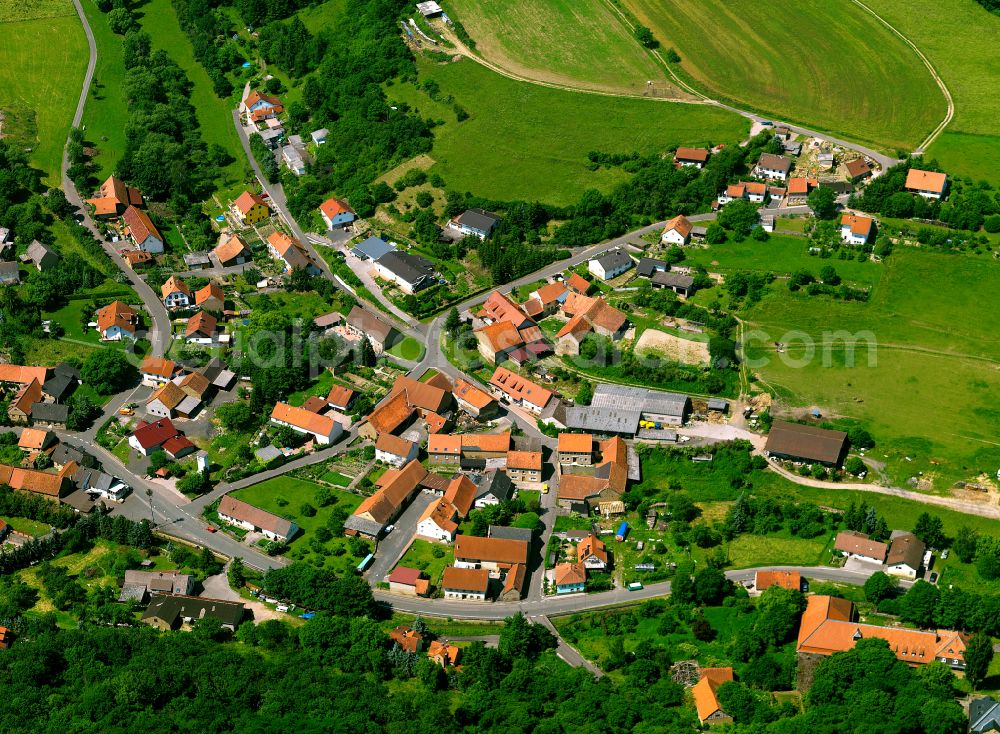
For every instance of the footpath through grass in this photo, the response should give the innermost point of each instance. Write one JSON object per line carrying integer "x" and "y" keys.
{"x": 43, "y": 58}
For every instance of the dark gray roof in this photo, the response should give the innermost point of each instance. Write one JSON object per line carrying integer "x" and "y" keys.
{"x": 268, "y": 453}
{"x": 618, "y": 408}
{"x": 133, "y": 592}
{"x": 984, "y": 715}
{"x": 66, "y": 369}
{"x": 718, "y": 404}
{"x": 495, "y": 483}
{"x": 372, "y": 248}
{"x": 673, "y": 280}
{"x": 414, "y": 269}
{"x": 59, "y": 386}
{"x": 648, "y": 265}
{"x": 603, "y": 420}
{"x": 79, "y": 501}
{"x": 615, "y": 259}
{"x": 479, "y": 220}
{"x": 171, "y": 609}
{"x": 40, "y": 253}
{"x": 362, "y": 525}
{"x": 50, "y": 412}
{"x": 197, "y": 258}
{"x": 9, "y": 273}
{"x": 63, "y": 454}
{"x": 93, "y": 479}
{"x": 499, "y": 531}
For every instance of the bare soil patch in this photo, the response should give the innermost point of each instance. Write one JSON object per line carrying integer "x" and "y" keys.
{"x": 673, "y": 347}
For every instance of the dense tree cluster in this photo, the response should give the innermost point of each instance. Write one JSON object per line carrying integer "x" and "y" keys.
{"x": 209, "y": 32}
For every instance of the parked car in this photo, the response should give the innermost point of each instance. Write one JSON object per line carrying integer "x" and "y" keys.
{"x": 389, "y": 529}
{"x": 211, "y": 528}
{"x": 934, "y": 577}
{"x": 944, "y": 553}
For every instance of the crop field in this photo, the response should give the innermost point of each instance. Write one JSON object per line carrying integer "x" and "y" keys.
{"x": 926, "y": 391}
{"x": 523, "y": 141}
{"x": 43, "y": 57}
{"x": 970, "y": 145}
{"x": 579, "y": 43}
{"x": 825, "y": 63}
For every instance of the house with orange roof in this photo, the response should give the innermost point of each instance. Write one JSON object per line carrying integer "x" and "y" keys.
{"x": 856, "y": 229}
{"x": 592, "y": 553}
{"x": 290, "y": 251}
{"x": 550, "y": 296}
{"x": 232, "y": 250}
{"x": 694, "y": 157}
{"x": 49, "y": 485}
{"x": 491, "y": 554}
{"x": 496, "y": 341}
{"x": 706, "y": 700}
{"x": 340, "y": 397}
{"x": 394, "y": 450}
{"x": 336, "y": 213}
{"x": 584, "y": 489}
{"x": 175, "y": 293}
{"x": 411, "y": 581}
{"x": 12, "y": 374}
{"x": 498, "y": 308}
{"x": 244, "y": 515}
{"x": 35, "y": 439}
{"x": 166, "y": 401}
{"x": 375, "y": 513}
{"x": 113, "y": 198}
{"x": 141, "y": 230}
{"x": 461, "y": 494}
{"x": 6, "y": 635}
{"x": 578, "y": 284}
{"x": 470, "y": 447}
{"x": 20, "y": 407}
{"x": 677, "y": 231}
{"x": 785, "y": 579}
{"x": 858, "y": 545}
{"x": 137, "y": 258}
{"x": 444, "y": 654}
{"x": 439, "y": 522}
{"x": 828, "y": 626}
{"x": 157, "y": 371}
{"x": 928, "y": 184}
{"x": 210, "y": 298}
{"x": 524, "y": 468}
{"x": 589, "y": 315}
{"x": 117, "y": 321}
{"x": 797, "y": 189}
{"x": 518, "y": 391}
{"x": 324, "y": 429}
{"x": 202, "y": 328}
{"x": 390, "y": 415}
{"x": 249, "y": 209}
{"x": 858, "y": 170}
{"x": 474, "y": 401}
{"x": 466, "y": 584}
{"x": 407, "y": 638}
{"x": 257, "y": 106}
{"x": 569, "y": 578}
{"x": 575, "y": 449}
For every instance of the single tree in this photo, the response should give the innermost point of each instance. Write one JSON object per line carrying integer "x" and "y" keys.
{"x": 823, "y": 202}
{"x": 978, "y": 656}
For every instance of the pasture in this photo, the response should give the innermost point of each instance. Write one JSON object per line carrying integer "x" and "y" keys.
{"x": 106, "y": 113}
{"x": 921, "y": 384}
{"x": 523, "y": 141}
{"x": 826, "y": 63}
{"x": 43, "y": 57}
{"x": 970, "y": 145}
{"x": 579, "y": 43}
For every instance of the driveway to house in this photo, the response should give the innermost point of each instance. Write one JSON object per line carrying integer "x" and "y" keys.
{"x": 217, "y": 587}
{"x": 392, "y": 546}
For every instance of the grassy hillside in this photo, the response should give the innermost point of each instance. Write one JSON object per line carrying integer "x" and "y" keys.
{"x": 523, "y": 141}
{"x": 105, "y": 114}
{"x": 960, "y": 39}
{"x": 826, "y": 63}
{"x": 43, "y": 57}
{"x": 572, "y": 42}
{"x": 929, "y": 394}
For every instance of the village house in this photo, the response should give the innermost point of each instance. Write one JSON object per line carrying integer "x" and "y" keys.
{"x": 210, "y": 298}
{"x": 984, "y": 715}
{"x": 324, "y": 429}
{"x": 649, "y": 266}
{"x": 395, "y": 451}
{"x": 241, "y": 514}
{"x": 581, "y": 491}
{"x": 592, "y": 553}
{"x": 35, "y": 440}
{"x": 589, "y": 315}
{"x": 491, "y": 554}
{"x": 294, "y": 155}
{"x": 10, "y": 273}
{"x": 461, "y": 494}
{"x": 169, "y": 612}
{"x": 905, "y": 558}
{"x": 336, "y": 213}
{"x": 677, "y": 231}
{"x": 570, "y": 578}
{"x": 439, "y": 522}
{"x": 706, "y": 700}
{"x": 249, "y": 209}
{"x": 576, "y": 449}
{"x": 828, "y": 626}
{"x": 117, "y": 321}
{"x": 477, "y": 403}
{"x": 611, "y": 264}
{"x": 141, "y": 230}
{"x": 499, "y": 309}
{"x": 232, "y": 250}
{"x": 175, "y": 293}
{"x": 679, "y": 283}
{"x": 257, "y": 106}
{"x": 148, "y": 438}
{"x": 41, "y": 256}
{"x": 928, "y": 184}
{"x": 407, "y": 639}
{"x": 410, "y": 581}
{"x": 517, "y": 391}
{"x": 764, "y": 580}
{"x": 113, "y": 198}
{"x": 391, "y": 415}
{"x": 291, "y": 252}
{"x": 61, "y": 383}
{"x": 319, "y": 136}
{"x": 363, "y": 323}
{"x": 376, "y": 512}
{"x": 202, "y": 328}
{"x": 797, "y": 442}
{"x": 409, "y": 272}
{"x": 578, "y": 284}
{"x": 856, "y": 229}
{"x": 475, "y": 223}
{"x": 695, "y": 157}
{"x": 372, "y": 249}
{"x": 471, "y": 450}
{"x": 773, "y": 166}
{"x": 140, "y": 585}
{"x": 170, "y": 401}
{"x": 20, "y": 408}
{"x": 492, "y": 488}
{"x": 798, "y": 188}
{"x": 524, "y": 468}
{"x": 858, "y": 170}
{"x": 50, "y": 485}
{"x": 340, "y": 398}
{"x": 441, "y": 652}
{"x": 858, "y": 545}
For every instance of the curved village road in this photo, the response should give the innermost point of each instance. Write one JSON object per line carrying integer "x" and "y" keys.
{"x": 159, "y": 335}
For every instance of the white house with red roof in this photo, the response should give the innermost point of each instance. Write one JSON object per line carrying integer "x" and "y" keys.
{"x": 856, "y": 229}
{"x": 677, "y": 231}
{"x": 150, "y": 437}
{"x": 336, "y": 213}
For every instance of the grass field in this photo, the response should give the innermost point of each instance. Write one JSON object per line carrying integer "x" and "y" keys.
{"x": 106, "y": 113}
{"x": 930, "y": 394}
{"x": 28, "y": 527}
{"x": 970, "y": 145}
{"x": 578, "y": 43}
{"x": 43, "y": 58}
{"x": 422, "y": 554}
{"x": 523, "y": 141}
{"x": 826, "y": 63}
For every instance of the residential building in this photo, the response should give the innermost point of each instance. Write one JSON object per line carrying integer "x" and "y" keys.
{"x": 140, "y": 585}
{"x": 589, "y": 315}
{"x": 391, "y": 415}
{"x": 336, "y": 213}
{"x": 517, "y": 391}
{"x": 496, "y": 341}
{"x": 798, "y": 188}
{"x": 498, "y": 308}
{"x": 928, "y": 184}
{"x": 395, "y": 451}
{"x": 619, "y": 409}
{"x": 210, "y": 298}
{"x": 461, "y": 494}
{"x": 249, "y": 209}
{"x": 141, "y": 230}
{"x": 706, "y": 700}
{"x": 576, "y": 449}
{"x": 150, "y": 437}
{"x": 408, "y": 271}
{"x": 856, "y": 229}
{"x": 294, "y": 157}
{"x": 433, "y": 396}
{"x": 475, "y": 402}
{"x": 363, "y": 323}
{"x": 476, "y": 223}
{"x": 50, "y": 485}
{"x": 858, "y": 170}
{"x": 493, "y": 488}
{"x": 232, "y": 250}
{"x": 340, "y": 398}
{"x": 372, "y": 249}
{"x": 906, "y": 554}
{"x": 581, "y": 491}
{"x": 611, "y": 264}
{"x": 117, "y": 321}
{"x": 15, "y": 374}
{"x": 399, "y": 486}
{"x": 677, "y": 231}
{"x": 828, "y": 626}
{"x": 62, "y": 383}
{"x": 35, "y": 439}
{"x": 166, "y": 402}
{"x": 202, "y": 328}
{"x": 592, "y": 553}
{"x": 695, "y": 157}
{"x": 290, "y": 251}
{"x": 858, "y": 545}
{"x": 773, "y": 166}
{"x": 682, "y": 285}
{"x": 20, "y": 408}
{"x": 319, "y": 136}
{"x": 10, "y": 274}
{"x": 407, "y": 639}
{"x": 439, "y": 522}
{"x": 764, "y": 580}
{"x": 257, "y": 106}
{"x": 491, "y": 554}
{"x": 408, "y": 581}
{"x": 157, "y": 371}
{"x": 798, "y": 442}
{"x": 113, "y": 198}
{"x": 984, "y": 715}
{"x": 95, "y": 482}
{"x": 324, "y": 429}
{"x": 441, "y": 652}
{"x": 53, "y": 415}
{"x": 570, "y": 578}
{"x": 170, "y": 612}
{"x": 648, "y": 267}
{"x": 513, "y": 583}
{"x": 175, "y": 293}
{"x": 244, "y": 515}
{"x": 524, "y": 468}
{"x": 578, "y": 284}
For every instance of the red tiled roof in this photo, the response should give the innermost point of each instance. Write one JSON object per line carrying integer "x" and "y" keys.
{"x": 404, "y": 575}
{"x": 495, "y": 550}
{"x": 469, "y": 393}
{"x": 332, "y": 207}
{"x": 154, "y": 434}
{"x": 524, "y": 460}
{"x": 785, "y": 579}
{"x": 391, "y": 414}
{"x": 681, "y": 224}
{"x": 302, "y": 419}
{"x": 917, "y": 180}
{"x": 201, "y": 323}
{"x": 466, "y": 579}
{"x": 116, "y": 314}
{"x": 158, "y": 366}
{"x": 519, "y": 388}
{"x": 139, "y": 225}
{"x": 578, "y": 283}
{"x": 691, "y": 154}
{"x": 861, "y": 226}
{"x": 461, "y": 493}
{"x": 340, "y": 395}
{"x": 576, "y": 443}
{"x": 245, "y": 202}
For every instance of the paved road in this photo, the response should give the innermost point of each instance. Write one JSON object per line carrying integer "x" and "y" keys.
{"x": 393, "y": 545}
{"x": 91, "y": 65}
{"x": 569, "y": 654}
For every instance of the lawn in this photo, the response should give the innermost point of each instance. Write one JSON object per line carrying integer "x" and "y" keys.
{"x": 286, "y": 496}
{"x": 423, "y": 554}
{"x": 106, "y": 113}
{"x": 826, "y": 63}
{"x": 970, "y": 145}
{"x": 28, "y": 527}
{"x": 918, "y": 359}
{"x": 42, "y": 64}
{"x": 579, "y": 43}
{"x": 407, "y": 348}
{"x": 531, "y": 142}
